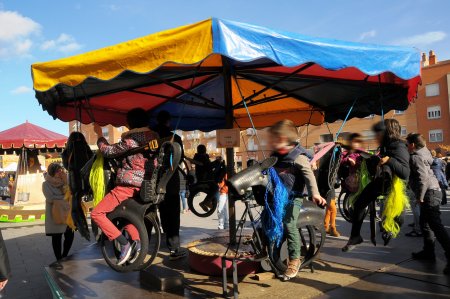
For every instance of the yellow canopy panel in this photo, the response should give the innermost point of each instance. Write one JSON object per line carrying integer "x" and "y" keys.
{"x": 184, "y": 45}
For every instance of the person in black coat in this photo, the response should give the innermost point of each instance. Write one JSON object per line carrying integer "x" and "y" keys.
{"x": 169, "y": 209}
{"x": 393, "y": 160}
{"x": 5, "y": 269}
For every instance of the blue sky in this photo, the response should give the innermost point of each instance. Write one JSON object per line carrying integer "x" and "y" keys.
{"x": 35, "y": 31}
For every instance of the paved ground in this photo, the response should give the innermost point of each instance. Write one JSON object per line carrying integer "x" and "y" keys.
{"x": 381, "y": 272}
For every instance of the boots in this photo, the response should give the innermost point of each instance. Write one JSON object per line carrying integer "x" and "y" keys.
{"x": 334, "y": 232}
{"x": 330, "y": 219}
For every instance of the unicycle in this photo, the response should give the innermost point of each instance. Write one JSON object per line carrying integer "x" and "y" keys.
{"x": 141, "y": 212}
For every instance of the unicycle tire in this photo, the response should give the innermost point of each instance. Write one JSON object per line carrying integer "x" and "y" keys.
{"x": 310, "y": 247}
{"x": 154, "y": 239}
{"x": 211, "y": 196}
{"x": 120, "y": 218}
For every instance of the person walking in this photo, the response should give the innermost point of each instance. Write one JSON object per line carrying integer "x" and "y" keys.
{"x": 426, "y": 188}
{"x": 53, "y": 189}
{"x": 169, "y": 209}
{"x": 222, "y": 207}
{"x": 438, "y": 167}
{"x": 183, "y": 192}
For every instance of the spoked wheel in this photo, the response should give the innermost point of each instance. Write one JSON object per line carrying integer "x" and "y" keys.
{"x": 111, "y": 249}
{"x": 154, "y": 236}
{"x": 203, "y": 194}
{"x": 312, "y": 240}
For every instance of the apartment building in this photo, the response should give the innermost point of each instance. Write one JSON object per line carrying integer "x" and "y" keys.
{"x": 433, "y": 104}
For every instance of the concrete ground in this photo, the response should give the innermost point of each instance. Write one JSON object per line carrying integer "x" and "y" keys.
{"x": 369, "y": 272}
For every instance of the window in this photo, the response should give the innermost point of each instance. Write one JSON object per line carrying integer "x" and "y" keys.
{"x": 403, "y": 132}
{"x": 399, "y": 112}
{"x": 368, "y": 134}
{"x": 326, "y": 137}
{"x": 105, "y": 132}
{"x": 435, "y": 135}
{"x": 120, "y": 129}
{"x": 432, "y": 90}
{"x": 434, "y": 112}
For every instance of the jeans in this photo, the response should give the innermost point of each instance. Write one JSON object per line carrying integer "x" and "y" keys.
{"x": 431, "y": 225}
{"x": 183, "y": 199}
{"x": 415, "y": 209}
{"x": 292, "y": 233}
{"x": 113, "y": 199}
{"x": 222, "y": 211}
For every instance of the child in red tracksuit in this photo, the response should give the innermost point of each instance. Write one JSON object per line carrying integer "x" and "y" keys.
{"x": 128, "y": 181}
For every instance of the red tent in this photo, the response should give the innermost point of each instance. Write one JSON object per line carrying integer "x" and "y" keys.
{"x": 30, "y": 136}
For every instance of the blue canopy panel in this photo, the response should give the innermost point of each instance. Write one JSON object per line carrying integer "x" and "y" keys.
{"x": 195, "y": 117}
{"x": 244, "y": 42}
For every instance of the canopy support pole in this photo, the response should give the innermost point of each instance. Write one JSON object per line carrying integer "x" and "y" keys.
{"x": 228, "y": 97}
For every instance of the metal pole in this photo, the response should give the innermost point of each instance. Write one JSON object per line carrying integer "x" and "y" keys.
{"x": 228, "y": 98}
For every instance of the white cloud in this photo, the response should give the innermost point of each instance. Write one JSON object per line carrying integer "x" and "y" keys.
{"x": 367, "y": 34}
{"x": 64, "y": 43}
{"x": 13, "y": 25}
{"x": 15, "y": 34}
{"x": 422, "y": 40}
{"x": 21, "y": 90}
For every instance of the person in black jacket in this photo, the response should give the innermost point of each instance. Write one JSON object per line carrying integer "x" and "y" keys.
{"x": 393, "y": 160}
{"x": 5, "y": 269}
{"x": 169, "y": 209}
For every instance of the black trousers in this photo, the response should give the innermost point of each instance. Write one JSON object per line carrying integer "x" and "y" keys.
{"x": 368, "y": 195}
{"x": 431, "y": 224}
{"x": 59, "y": 250}
{"x": 169, "y": 211}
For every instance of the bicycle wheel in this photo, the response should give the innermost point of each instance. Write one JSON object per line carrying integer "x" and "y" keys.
{"x": 203, "y": 193}
{"x": 154, "y": 239}
{"x": 110, "y": 249}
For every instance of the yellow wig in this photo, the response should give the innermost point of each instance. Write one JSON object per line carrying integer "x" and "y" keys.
{"x": 394, "y": 205}
{"x": 97, "y": 179}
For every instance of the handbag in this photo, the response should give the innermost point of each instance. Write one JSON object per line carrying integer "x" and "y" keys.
{"x": 60, "y": 211}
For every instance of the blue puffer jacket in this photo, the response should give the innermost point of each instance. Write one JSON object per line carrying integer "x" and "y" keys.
{"x": 438, "y": 169}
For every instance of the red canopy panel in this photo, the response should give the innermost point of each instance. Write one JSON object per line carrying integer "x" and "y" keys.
{"x": 111, "y": 108}
{"x": 30, "y": 136}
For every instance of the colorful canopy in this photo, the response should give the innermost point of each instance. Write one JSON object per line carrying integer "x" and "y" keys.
{"x": 208, "y": 72}
{"x": 30, "y": 136}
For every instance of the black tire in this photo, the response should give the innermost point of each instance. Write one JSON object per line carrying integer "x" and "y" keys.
{"x": 345, "y": 209}
{"x": 120, "y": 218}
{"x": 198, "y": 190}
{"x": 343, "y": 205}
{"x": 154, "y": 239}
{"x": 312, "y": 242}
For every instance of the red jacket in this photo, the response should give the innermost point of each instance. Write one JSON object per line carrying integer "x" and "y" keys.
{"x": 132, "y": 170}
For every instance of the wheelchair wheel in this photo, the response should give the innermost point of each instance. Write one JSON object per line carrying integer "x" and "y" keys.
{"x": 154, "y": 239}
{"x": 312, "y": 240}
{"x": 203, "y": 193}
{"x": 110, "y": 249}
